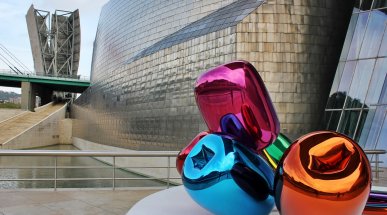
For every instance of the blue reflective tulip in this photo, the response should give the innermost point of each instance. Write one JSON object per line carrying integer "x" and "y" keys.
{"x": 225, "y": 177}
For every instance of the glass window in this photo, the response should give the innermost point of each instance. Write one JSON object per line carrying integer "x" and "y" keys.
{"x": 365, "y": 4}
{"x": 358, "y": 36}
{"x": 357, "y": 3}
{"x": 336, "y": 100}
{"x": 373, "y": 35}
{"x": 348, "y": 122}
{"x": 346, "y": 78}
{"x": 336, "y": 81}
{"x": 379, "y": 4}
{"x": 365, "y": 129}
{"x": 359, "y": 84}
{"x": 338, "y": 94}
{"x": 348, "y": 37}
{"x": 383, "y": 46}
{"x": 361, "y": 123}
{"x": 383, "y": 95}
{"x": 377, "y": 82}
{"x": 331, "y": 119}
{"x": 382, "y": 140}
{"x": 372, "y": 127}
{"x": 334, "y": 89}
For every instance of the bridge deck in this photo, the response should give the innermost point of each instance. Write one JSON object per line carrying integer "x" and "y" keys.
{"x": 54, "y": 83}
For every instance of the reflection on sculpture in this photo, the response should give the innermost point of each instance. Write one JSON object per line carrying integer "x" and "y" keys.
{"x": 273, "y": 153}
{"x": 376, "y": 204}
{"x": 322, "y": 172}
{"x": 237, "y": 88}
{"x": 184, "y": 152}
{"x": 225, "y": 177}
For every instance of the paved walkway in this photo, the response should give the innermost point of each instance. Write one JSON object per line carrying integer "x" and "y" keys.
{"x": 79, "y": 202}
{"x": 17, "y": 124}
{"x": 6, "y": 113}
{"x": 99, "y": 202}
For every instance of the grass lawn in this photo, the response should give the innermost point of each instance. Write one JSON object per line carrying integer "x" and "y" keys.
{"x": 10, "y": 105}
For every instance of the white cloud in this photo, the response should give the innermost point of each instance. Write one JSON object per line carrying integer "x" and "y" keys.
{"x": 85, "y": 6}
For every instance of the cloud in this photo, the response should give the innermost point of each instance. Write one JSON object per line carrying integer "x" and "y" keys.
{"x": 85, "y": 6}
{"x": 9, "y": 11}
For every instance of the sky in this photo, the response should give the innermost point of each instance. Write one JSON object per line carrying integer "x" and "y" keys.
{"x": 14, "y": 34}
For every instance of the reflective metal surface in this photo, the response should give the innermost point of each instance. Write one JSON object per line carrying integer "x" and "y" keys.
{"x": 186, "y": 150}
{"x": 148, "y": 104}
{"x": 236, "y": 88}
{"x": 148, "y": 54}
{"x": 225, "y": 17}
{"x": 376, "y": 204}
{"x": 219, "y": 170}
{"x": 323, "y": 172}
{"x": 274, "y": 152}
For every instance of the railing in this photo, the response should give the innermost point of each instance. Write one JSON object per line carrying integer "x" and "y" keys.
{"x": 375, "y": 154}
{"x": 169, "y": 165}
{"x": 99, "y": 154}
{"x": 32, "y": 74}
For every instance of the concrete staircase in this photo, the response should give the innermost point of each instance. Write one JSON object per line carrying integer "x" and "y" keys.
{"x": 17, "y": 124}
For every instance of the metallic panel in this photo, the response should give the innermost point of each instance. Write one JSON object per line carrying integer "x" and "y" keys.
{"x": 145, "y": 64}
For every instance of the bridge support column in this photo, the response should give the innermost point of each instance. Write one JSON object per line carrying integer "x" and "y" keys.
{"x": 45, "y": 95}
{"x": 28, "y": 98}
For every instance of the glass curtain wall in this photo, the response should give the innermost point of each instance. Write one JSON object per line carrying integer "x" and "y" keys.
{"x": 357, "y": 105}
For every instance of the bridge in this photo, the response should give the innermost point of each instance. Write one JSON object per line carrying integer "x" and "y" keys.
{"x": 43, "y": 86}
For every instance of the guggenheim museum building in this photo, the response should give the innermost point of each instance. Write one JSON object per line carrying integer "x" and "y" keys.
{"x": 324, "y": 64}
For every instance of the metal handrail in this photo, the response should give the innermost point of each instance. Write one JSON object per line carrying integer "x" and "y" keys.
{"x": 72, "y": 153}
{"x": 129, "y": 154}
{"x": 376, "y": 153}
{"x": 32, "y": 74}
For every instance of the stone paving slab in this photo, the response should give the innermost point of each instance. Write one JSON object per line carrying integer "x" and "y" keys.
{"x": 31, "y": 202}
{"x": 70, "y": 202}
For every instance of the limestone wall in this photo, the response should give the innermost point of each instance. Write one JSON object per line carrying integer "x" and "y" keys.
{"x": 295, "y": 46}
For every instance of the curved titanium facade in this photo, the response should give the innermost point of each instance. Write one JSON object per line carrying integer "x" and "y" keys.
{"x": 357, "y": 105}
{"x": 147, "y": 56}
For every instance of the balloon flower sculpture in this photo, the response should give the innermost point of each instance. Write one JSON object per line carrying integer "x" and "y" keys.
{"x": 243, "y": 165}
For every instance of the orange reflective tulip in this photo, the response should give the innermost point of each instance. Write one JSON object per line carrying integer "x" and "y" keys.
{"x": 323, "y": 173}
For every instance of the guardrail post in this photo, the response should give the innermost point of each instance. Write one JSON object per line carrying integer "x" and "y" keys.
{"x": 114, "y": 172}
{"x": 377, "y": 166}
{"x": 56, "y": 154}
{"x": 168, "y": 171}
{"x": 55, "y": 171}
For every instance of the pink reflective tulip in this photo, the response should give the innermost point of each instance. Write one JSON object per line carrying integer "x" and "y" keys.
{"x": 237, "y": 88}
